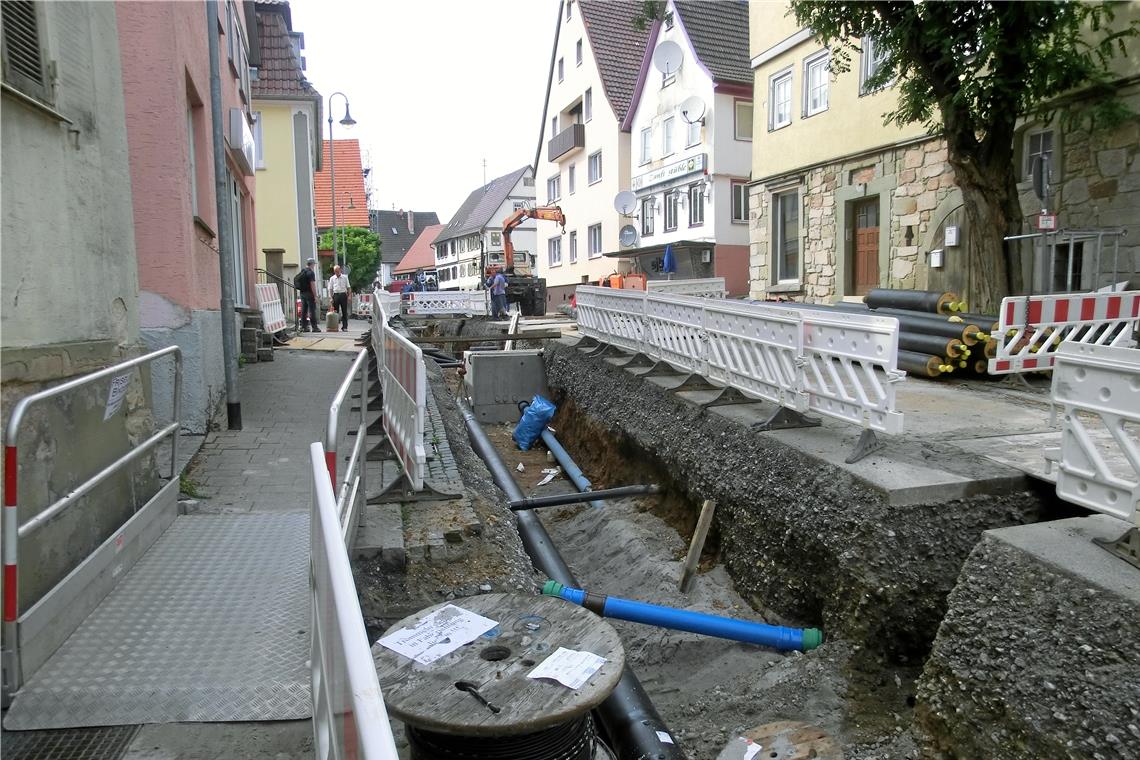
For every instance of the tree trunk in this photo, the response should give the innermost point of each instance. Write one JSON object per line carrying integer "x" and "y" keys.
{"x": 990, "y": 205}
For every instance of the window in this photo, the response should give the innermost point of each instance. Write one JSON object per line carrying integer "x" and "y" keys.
{"x": 588, "y": 104}
{"x": 519, "y": 205}
{"x": 670, "y": 211}
{"x": 554, "y": 251}
{"x": 496, "y": 239}
{"x": 570, "y": 180}
{"x": 574, "y": 247}
{"x": 646, "y": 145}
{"x": 693, "y": 134}
{"x": 554, "y": 187}
{"x": 696, "y": 204}
{"x": 815, "y": 84}
{"x": 869, "y": 64}
{"x": 569, "y": 4}
{"x": 191, "y": 135}
{"x": 258, "y": 141}
{"x": 742, "y": 114}
{"x": 786, "y": 237}
{"x": 23, "y": 52}
{"x": 739, "y": 202}
{"x": 594, "y": 170}
{"x": 578, "y": 53}
{"x": 561, "y": 70}
{"x": 553, "y": 126}
{"x": 667, "y": 137}
{"x": 779, "y": 100}
{"x": 595, "y": 234}
{"x": 647, "y": 216}
{"x": 1038, "y": 144}
{"x": 668, "y": 20}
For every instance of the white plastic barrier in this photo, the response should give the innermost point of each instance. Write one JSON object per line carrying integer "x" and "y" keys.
{"x": 469, "y": 302}
{"x": 404, "y": 385}
{"x": 1098, "y": 391}
{"x": 385, "y": 304}
{"x": 841, "y": 366}
{"x": 269, "y": 301}
{"x": 362, "y": 304}
{"x": 349, "y": 717}
{"x": 707, "y": 287}
{"x": 1031, "y": 328}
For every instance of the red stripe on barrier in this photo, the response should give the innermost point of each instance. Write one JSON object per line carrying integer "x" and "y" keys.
{"x": 11, "y": 608}
{"x": 1002, "y": 366}
{"x": 1061, "y": 311}
{"x": 330, "y": 463}
{"x": 1088, "y": 308}
{"x": 1135, "y": 307}
{"x": 1009, "y": 307}
{"x": 10, "y": 469}
{"x": 1034, "y": 312}
{"x": 1029, "y": 364}
{"x": 1113, "y": 307}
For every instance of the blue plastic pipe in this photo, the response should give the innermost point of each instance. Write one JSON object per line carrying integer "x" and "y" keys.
{"x": 776, "y": 636}
{"x": 572, "y": 470}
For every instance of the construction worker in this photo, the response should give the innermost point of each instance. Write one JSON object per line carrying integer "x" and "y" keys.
{"x": 498, "y": 287}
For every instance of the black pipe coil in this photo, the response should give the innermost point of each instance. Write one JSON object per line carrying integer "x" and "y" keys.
{"x": 575, "y": 740}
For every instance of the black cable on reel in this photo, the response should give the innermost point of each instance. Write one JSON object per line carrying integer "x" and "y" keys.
{"x": 575, "y": 740}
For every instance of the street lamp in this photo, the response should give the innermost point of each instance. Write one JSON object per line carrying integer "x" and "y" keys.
{"x": 343, "y": 242}
{"x": 347, "y": 121}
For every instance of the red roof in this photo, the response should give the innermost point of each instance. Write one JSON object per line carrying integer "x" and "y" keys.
{"x": 349, "y": 187}
{"x": 421, "y": 254}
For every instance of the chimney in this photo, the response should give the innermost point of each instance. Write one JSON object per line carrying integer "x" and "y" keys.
{"x": 411, "y": 223}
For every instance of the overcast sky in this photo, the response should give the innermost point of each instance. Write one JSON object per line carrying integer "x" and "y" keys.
{"x": 435, "y": 86}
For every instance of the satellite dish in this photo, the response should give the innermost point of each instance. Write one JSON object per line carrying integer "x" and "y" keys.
{"x": 667, "y": 57}
{"x": 628, "y": 236}
{"x": 693, "y": 110}
{"x": 625, "y": 202}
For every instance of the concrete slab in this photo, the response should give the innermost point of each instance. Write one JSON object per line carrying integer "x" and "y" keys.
{"x": 1037, "y": 656}
{"x": 381, "y": 535}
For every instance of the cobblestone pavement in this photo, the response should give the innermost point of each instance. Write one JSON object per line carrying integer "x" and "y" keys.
{"x": 264, "y": 467}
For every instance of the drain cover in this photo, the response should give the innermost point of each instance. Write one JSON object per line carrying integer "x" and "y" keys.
{"x": 106, "y": 743}
{"x": 784, "y": 740}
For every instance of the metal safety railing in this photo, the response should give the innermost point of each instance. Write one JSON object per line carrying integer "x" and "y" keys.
{"x": 843, "y": 367}
{"x": 351, "y": 493}
{"x": 704, "y": 287}
{"x": 1032, "y": 328}
{"x": 438, "y": 302}
{"x": 1070, "y": 244}
{"x": 350, "y": 721}
{"x": 1097, "y": 390}
{"x": 13, "y": 531}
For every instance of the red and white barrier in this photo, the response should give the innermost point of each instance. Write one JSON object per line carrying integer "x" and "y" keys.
{"x": 1032, "y": 328}
{"x": 269, "y": 301}
{"x": 404, "y": 383}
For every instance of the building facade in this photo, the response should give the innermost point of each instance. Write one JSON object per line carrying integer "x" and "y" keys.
{"x": 473, "y": 238}
{"x": 584, "y": 159}
{"x": 166, "y": 74}
{"x": 287, "y": 134}
{"x": 842, "y": 203}
{"x": 398, "y": 231}
{"x": 691, "y": 130}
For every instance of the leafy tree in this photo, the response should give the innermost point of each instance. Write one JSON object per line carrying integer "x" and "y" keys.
{"x": 967, "y": 71}
{"x": 362, "y": 254}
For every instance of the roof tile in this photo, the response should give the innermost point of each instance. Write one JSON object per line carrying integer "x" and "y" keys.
{"x": 618, "y": 47}
{"x": 420, "y": 255}
{"x": 476, "y": 211}
{"x": 280, "y": 74}
{"x": 396, "y": 238}
{"x": 349, "y": 187}
{"x": 719, "y": 33}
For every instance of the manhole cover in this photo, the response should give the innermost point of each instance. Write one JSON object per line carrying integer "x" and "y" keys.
{"x": 106, "y": 743}
{"x": 784, "y": 740}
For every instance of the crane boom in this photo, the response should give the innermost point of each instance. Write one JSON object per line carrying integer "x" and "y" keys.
{"x": 547, "y": 213}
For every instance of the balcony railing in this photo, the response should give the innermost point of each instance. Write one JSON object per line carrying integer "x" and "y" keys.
{"x": 568, "y": 140}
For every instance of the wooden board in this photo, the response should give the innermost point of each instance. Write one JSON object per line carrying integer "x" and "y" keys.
{"x": 530, "y": 629}
{"x": 533, "y": 335}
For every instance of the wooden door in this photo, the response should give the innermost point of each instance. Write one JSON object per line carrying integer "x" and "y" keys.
{"x": 866, "y": 236}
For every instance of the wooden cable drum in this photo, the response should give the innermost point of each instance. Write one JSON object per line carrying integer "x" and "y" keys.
{"x": 923, "y": 365}
{"x": 477, "y": 703}
{"x": 932, "y": 301}
{"x": 932, "y": 344}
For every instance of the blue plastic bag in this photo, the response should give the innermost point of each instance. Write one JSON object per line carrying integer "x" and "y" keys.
{"x": 533, "y": 422}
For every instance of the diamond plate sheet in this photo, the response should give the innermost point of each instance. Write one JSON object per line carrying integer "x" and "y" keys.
{"x": 211, "y": 625}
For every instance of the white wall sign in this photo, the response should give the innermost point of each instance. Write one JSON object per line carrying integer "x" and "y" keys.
{"x": 115, "y": 396}
{"x": 664, "y": 174}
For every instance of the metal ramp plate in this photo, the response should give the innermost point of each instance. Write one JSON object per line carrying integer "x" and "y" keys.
{"x": 211, "y": 625}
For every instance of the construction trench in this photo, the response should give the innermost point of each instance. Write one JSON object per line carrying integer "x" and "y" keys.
{"x": 795, "y": 541}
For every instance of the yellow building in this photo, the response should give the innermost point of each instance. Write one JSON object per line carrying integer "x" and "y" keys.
{"x": 287, "y": 133}
{"x": 841, "y": 202}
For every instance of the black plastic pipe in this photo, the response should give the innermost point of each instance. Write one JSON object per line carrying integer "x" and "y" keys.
{"x": 930, "y": 301}
{"x": 630, "y": 720}
{"x": 562, "y": 499}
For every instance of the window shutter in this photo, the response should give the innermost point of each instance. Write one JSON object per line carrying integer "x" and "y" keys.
{"x": 23, "y": 59}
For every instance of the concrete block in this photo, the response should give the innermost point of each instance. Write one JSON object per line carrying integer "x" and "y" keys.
{"x": 1037, "y": 655}
{"x": 381, "y": 535}
{"x": 265, "y": 354}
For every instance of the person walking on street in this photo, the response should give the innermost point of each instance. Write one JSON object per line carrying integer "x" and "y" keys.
{"x": 498, "y": 286}
{"x": 306, "y": 282}
{"x": 341, "y": 293}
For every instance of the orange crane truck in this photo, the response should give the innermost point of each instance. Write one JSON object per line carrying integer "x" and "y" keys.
{"x": 523, "y": 287}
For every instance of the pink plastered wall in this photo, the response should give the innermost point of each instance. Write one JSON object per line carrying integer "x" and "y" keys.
{"x": 165, "y": 62}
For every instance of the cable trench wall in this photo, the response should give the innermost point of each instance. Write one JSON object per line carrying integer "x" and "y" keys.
{"x": 841, "y": 367}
